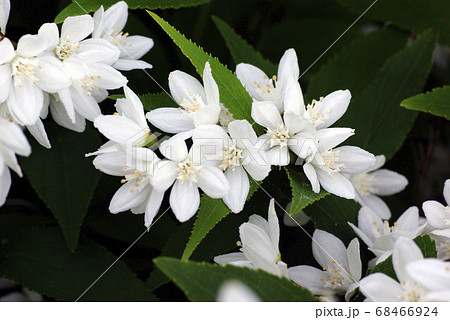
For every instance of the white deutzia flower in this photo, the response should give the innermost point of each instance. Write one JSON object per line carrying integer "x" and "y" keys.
{"x": 5, "y": 6}
{"x": 382, "y": 288}
{"x": 290, "y": 132}
{"x": 263, "y": 88}
{"x": 88, "y": 63}
{"x": 259, "y": 245}
{"x": 380, "y": 237}
{"x": 375, "y": 182}
{"x": 237, "y": 154}
{"x": 438, "y": 215}
{"x": 236, "y": 291}
{"x": 434, "y": 276}
{"x": 24, "y": 77}
{"x": 12, "y": 142}
{"x": 109, "y": 25}
{"x": 198, "y": 105}
{"x": 189, "y": 175}
{"x": 328, "y": 165}
{"x": 341, "y": 267}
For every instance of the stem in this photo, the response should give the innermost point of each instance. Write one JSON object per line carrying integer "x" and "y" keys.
{"x": 2, "y": 36}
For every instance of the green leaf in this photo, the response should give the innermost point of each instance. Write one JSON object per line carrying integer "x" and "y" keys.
{"x": 302, "y": 193}
{"x": 80, "y": 7}
{"x": 201, "y": 281}
{"x": 332, "y": 214}
{"x": 241, "y": 51}
{"x": 211, "y": 212}
{"x": 232, "y": 94}
{"x": 427, "y": 245}
{"x": 380, "y": 123}
{"x": 436, "y": 102}
{"x": 63, "y": 177}
{"x": 40, "y": 261}
{"x": 414, "y": 15}
{"x": 355, "y": 66}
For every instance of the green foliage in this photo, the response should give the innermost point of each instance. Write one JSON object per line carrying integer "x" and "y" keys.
{"x": 302, "y": 193}
{"x": 40, "y": 261}
{"x": 332, "y": 214}
{"x": 232, "y": 93}
{"x": 201, "y": 281}
{"x": 436, "y": 102}
{"x": 63, "y": 177}
{"x": 80, "y": 7}
{"x": 211, "y": 212}
{"x": 413, "y": 15}
{"x": 241, "y": 51}
{"x": 376, "y": 111}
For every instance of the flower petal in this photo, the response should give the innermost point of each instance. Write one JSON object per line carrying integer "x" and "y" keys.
{"x": 117, "y": 128}
{"x": 293, "y": 98}
{"x": 25, "y": 103}
{"x": 379, "y": 287}
{"x": 184, "y": 200}
{"x": 84, "y": 105}
{"x": 5, "y": 184}
{"x": 273, "y": 223}
{"x": 127, "y": 197}
{"x": 432, "y": 274}
{"x": 136, "y": 47}
{"x": 405, "y": 252}
{"x": 51, "y": 76}
{"x": 446, "y": 191}
{"x": 331, "y": 137}
{"x": 5, "y": 7}
{"x": 170, "y": 120}
{"x": 355, "y": 159}
{"x": 239, "y": 187}
{"x": 111, "y": 163}
{"x": 257, "y": 164}
{"x": 436, "y": 214}
{"x": 77, "y": 28}
{"x": 311, "y": 174}
{"x": 165, "y": 175}
{"x": 309, "y": 277}
{"x": 213, "y": 181}
{"x": 388, "y": 182}
{"x": 129, "y": 64}
{"x": 354, "y": 260}
{"x": 107, "y": 77}
{"x": 184, "y": 86}
{"x": 266, "y": 114}
{"x": 336, "y": 183}
{"x": 241, "y": 130}
{"x": 115, "y": 18}
{"x": 153, "y": 205}
{"x": 376, "y": 204}
{"x": 38, "y": 132}
{"x": 408, "y": 222}
{"x": 288, "y": 70}
{"x": 7, "y": 52}
{"x": 5, "y": 81}
{"x": 334, "y": 106}
{"x": 327, "y": 248}
{"x": 51, "y": 32}
{"x": 211, "y": 88}
{"x": 250, "y": 77}
{"x": 258, "y": 247}
{"x": 31, "y": 45}
{"x": 98, "y": 51}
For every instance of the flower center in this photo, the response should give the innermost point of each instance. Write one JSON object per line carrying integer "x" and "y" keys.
{"x": 231, "y": 157}
{"x": 225, "y": 117}
{"x": 88, "y": 83}
{"x": 65, "y": 49}
{"x": 119, "y": 39}
{"x": 23, "y": 68}
{"x": 187, "y": 171}
{"x": 331, "y": 162}
{"x": 279, "y": 136}
{"x": 191, "y": 105}
{"x": 268, "y": 87}
{"x": 413, "y": 292}
{"x": 313, "y": 112}
{"x": 363, "y": 183}
{"x": 139, "y": 179}
{"x": 335, "y": 278}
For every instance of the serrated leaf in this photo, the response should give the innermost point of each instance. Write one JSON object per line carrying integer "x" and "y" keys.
{"x": 414, "y": 15}
{"x": 63, "y": 177}
{"x": 355, "y": 66}
{"x": 80, "y": 7}
{"x": 211, "y": 212}
{"x": 332, "y": 214}
{"x": 201, "y": 281}
{"x": 436, "y": 102}
{"x": 241, "y": 51}
{"x": 380, "y": 123}
{"x": 232, "y": 94}
{"x": 302, "y": 193}
{"x": 40, "y": 261}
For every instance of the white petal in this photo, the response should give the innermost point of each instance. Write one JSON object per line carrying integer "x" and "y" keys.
{"x": 389, "y": 182}
{"x": 381, "y": 288}
{"x": 25, "y": 103}
{"x": 274, "y": 227}
{"x": 295, "y": 123}
{"x": 355, "y": 159}
{"x": 51, "y": 32}
{"x": 266, "y": 114}
{"x": 5, "y": 184}
{"x": 331, "y": 137}
{"x": 165, "y": 175}
{"x": 251, "y": 77}
{"x": 117, "y": 128}
{"x": 354, "y": 260}
{"x": 311, "y": 174}
{"x": 436, "y": 214}
{"x": 239, "y": 187}
{"x": 405, "y": 252}
{"x": 184, "y": 86}
{"x": 211, "y": 88}
{"x": 12, "y": 136}
{"x": 51, "y": 75}
{"x": 447, "y": 191}
{"x": 258, "y": 247}
{"x": 309, "y": 277}
{"x": 85, "y": 105}
{"x": 293, "y": 98}
{"x": 136, "y": 47}
{"x": 116, "y": 17}
{"x": 336, "y": 183}
{"x": 170, "y": 120}
{"x": 128, "y": 64}
{"x": 235, "y": 291}
{"x": 99, "y": 27}
{"x": 213, "y": 182}
{"x": 208, "y": 114}
{"x": 174, "y": 149}
{"x": 408, "y": 222}
{"x": 361, "y": 234}
{"x": 31, "y": 45}
{"x": 135, "y": 109}
{"x": 107, "y": 77}
{"x": 230, "y": 258}
{"x": 5, "y": 81}
{"x": 59, "y": 114}
{"x": 7, "y": 52}
{"x": 77, "y": 28}
{"x": 370, "y": 223}
{"x": 242, "y": 130}
{"x": 327, "y": 248}
{"x": 184, "y": 200}
{"x": 288, "y": 70}
{"x": 98, "y": 51}
{"x": 38, "y": 132}
{"x": 432, "y": 274}
{"x": 153, "y": 205}
{"x": 334, "y": 106}
{"x": 128, "y": 196}
{"x": 5, "y": 6}
{"x": 278, "y": 156}
{"x": 257, "y": 166}
{"x": 376, "y": 204}
{"x": 65, "y": 103}
{"x": 111, "y": 163}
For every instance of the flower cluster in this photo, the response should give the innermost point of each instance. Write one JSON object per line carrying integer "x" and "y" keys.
{"x": 63, "y": 72}
{"x": 419, "y": 278}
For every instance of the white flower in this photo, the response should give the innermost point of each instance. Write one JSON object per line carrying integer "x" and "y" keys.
{"x": 442, "y": 240}
{"x": 259, "y": 245}
{"x": 12, "y": 142}
{"x": 434, "y": 276}
{"x": 327, "y": 167}
{"x": 236, "y": 153}
{"x": 382, "y": 288}
{"x": 290, "y": 132}
{"x": 24, "y": 77}
{"x": 88, "y": 63}
{"x": 188, "y": 175}
{"x": 379, "y": 236}
{"x": 263, "y": 88}
{"x": 199, "y": 105}
{"x": 341, "y": 266}
{"x": 373, "y": 182}
{"x": 109, "y": 25}
{"x": 236, "y": 291}
{"x": 437, "y": 215}
{"x": 5, "y": 6}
